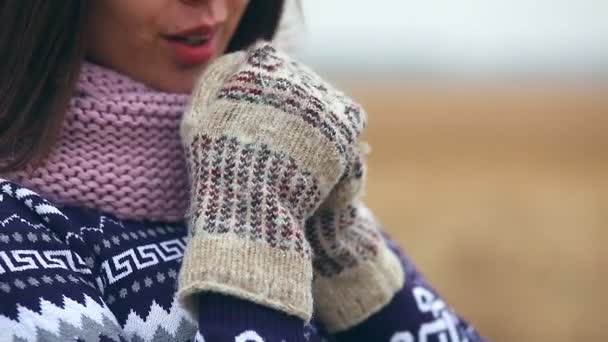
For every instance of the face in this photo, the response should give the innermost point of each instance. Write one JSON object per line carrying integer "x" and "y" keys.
{"x": 165, "y": 44}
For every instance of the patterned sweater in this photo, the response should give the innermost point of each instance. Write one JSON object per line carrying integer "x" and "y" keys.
{"x": 76, "y": 274}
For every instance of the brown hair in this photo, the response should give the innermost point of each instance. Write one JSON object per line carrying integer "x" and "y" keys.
{"x": 42, "y": 44}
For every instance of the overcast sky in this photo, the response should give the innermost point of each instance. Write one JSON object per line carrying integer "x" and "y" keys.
{"x": 459, "y": 36}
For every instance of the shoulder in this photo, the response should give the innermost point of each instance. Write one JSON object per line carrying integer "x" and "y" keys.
{"x": 16, "y": 200}
{"x": 25, "y": 214}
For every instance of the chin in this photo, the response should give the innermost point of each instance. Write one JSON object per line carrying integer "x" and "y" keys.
{"x": 182, "y": 81}
{"x": 182, "y": 88}
{"x": 174, "y": 79}
{"x": 182, "y": 85}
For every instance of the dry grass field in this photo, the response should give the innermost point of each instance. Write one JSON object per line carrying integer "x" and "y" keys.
{"x": 500, "y": 194}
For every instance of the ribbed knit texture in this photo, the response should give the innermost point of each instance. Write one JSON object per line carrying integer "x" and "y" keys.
{"x": 119, "y": 151}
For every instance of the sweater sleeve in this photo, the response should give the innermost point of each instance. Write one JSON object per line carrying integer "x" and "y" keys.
{"x": 227, "y": 318}
{"x": 415, "y": 313}
{"x": 47, "y": 291}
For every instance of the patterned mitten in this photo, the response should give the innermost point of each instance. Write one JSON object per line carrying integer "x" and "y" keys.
{"x": 356, "y": 274}
{"x": 266, "y": 142}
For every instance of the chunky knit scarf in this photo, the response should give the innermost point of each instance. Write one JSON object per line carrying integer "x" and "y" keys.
{"x": 119, "y": 151}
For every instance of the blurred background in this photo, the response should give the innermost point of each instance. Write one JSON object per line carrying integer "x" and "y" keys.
{"x": 488, "y": 121}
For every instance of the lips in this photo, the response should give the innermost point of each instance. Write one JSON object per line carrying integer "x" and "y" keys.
{"x": 193, "y": 46}
{"x": 192, "y": 40}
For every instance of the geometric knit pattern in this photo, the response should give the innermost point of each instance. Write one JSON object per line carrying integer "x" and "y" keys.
{"x": 251, "y": 192}
{"x": 119, "y": 150}
{"x": 70, "y": 319}
{"x": 267, "y": 143}
{"x": 73, "y": 273}
{"x": 356, "y": 275}
{"x": 269, "y": 77}
{"x": 342, "y": 239}
{"x": 416, "y": 313}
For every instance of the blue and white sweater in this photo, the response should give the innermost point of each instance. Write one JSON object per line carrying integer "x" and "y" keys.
{"x": 71, "y": 274}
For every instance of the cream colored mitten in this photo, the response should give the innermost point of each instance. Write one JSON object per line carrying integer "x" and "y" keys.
{"x": 266, "y": 141}
{"x": 356, "y": 274}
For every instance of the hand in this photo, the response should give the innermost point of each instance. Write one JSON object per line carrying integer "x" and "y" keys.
{"x": 266, "y": 142}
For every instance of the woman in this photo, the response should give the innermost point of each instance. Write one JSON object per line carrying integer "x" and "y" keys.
{"x": 107, "y": 122}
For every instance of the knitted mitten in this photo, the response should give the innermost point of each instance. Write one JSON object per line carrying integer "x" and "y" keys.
{"x": 266, "y": 141}
{"x": 356, "y": 274}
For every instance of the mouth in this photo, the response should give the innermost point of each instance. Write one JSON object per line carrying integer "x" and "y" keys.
{"x": 194, "y": 39}
{"x": 193, "y": 46}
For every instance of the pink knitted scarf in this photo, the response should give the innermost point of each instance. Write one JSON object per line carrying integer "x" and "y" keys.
{"x": 119, "y": 151}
